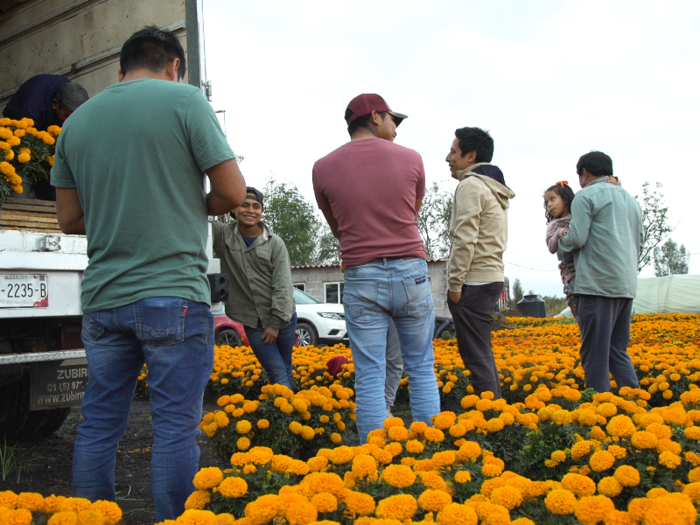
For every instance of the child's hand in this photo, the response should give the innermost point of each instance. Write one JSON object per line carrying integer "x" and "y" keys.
{"x": 564, "y": 232}
{"x": 613, "y": 180}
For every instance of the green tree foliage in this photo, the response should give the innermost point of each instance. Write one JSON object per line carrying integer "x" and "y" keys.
{"x": 554, "y": 304}
{"x": 518, "y": 294}
{"x": 291, "y": 217}
{"x": 328, "y": 248}
{"x": 434, "y": 222}
{"x": 670, "y": 259}
{"x": 654, "y": 222}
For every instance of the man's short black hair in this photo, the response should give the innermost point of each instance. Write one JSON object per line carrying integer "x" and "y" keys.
{"x": 478, "y": 140}
{"x": 596, "y": 163}
{"x": 152, "y": 48}
{"x": 363, "y": 122}
{"x": 71, "y": 96}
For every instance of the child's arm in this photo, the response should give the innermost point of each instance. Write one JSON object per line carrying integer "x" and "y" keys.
{"x": 554, "y": 233}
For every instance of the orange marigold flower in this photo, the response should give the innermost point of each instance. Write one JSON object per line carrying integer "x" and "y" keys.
{"x": 627, "y": 476}
{"x": 644, "y": 439}
{"x": 207, "y": 478}
{"x": 621, "y": 426}
{"x": 578, "y": 484}
{"x": 434, "y": 500}
{"x": 601, "y": 460}
{"x": 198, "y": 499}
{"x": 398, "y": 507}
{"x": 359, "y": 502}
{"x": 508, "y": 497}
{"x": 324, "y": 502}
{"x": 399, "y": 476}
{"x": 593, "y": 509}
{"x": 609, "y": 486}
{"x": 669, "y": 459}
{"x": 560, "y": 501}
{"x": 233, "y": 487}
{"x": 457, "y": 514}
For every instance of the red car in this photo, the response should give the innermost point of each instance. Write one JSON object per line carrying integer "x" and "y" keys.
{"x": 229, "y": 332}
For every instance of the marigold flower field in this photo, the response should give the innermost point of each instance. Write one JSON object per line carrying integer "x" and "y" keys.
{"x": 549, "y": 452}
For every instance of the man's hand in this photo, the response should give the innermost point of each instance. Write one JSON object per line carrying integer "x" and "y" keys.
{"x": 269, "y": 335}
{"x": 455, "y": 297}
{"x": 227, "y": 188}
{"x": 69, "y": 211}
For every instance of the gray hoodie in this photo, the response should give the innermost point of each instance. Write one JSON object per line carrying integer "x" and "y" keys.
{"x": 478, "y": 229}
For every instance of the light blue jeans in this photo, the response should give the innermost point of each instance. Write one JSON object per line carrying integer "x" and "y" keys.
{"x": 400, "y": 289}
{"x": 175, "y": 338}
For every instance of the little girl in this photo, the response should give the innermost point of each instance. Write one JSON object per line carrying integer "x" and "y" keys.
{"x": 557, "y": 205}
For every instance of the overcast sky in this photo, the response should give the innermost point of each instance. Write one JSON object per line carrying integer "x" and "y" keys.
{"x": 551, "y": 80}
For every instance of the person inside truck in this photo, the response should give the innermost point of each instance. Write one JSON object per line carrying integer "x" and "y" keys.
{"x": 261, "y": 294}
{"x": 46, "y": 99}
{"x": 136, "y": 189}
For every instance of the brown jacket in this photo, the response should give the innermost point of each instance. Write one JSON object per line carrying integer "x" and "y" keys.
{"x": 478, "y": 229}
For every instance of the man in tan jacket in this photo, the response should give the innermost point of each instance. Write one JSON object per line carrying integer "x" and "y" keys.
{"x": 478, "y": 233}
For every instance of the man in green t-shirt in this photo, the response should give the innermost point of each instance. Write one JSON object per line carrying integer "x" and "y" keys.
{"x": 128, "y": 172}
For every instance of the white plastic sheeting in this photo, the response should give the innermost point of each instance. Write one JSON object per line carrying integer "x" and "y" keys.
{"x": 663, "y": 295}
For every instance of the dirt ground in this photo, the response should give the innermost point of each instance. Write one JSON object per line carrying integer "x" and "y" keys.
{"x": 44, "y": 466}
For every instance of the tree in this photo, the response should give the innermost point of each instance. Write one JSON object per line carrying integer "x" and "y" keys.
{"x": 328, "y": 248}
{"x": 654, "y": 222}
{"x": 518, "y": 294}
{"x": 291, "y": 217}
{"x": 434, "y": 222}
{"x": 669, "y": 259}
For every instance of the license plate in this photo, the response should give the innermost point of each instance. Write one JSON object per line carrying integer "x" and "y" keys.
{"x": 24, "y": 291}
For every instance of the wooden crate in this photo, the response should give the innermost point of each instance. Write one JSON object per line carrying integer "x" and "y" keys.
{"x": 29, "y": 214}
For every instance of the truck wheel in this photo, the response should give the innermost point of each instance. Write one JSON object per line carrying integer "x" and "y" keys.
{"x": 14, "y": 409}
{"x": 42, "y": 423}
{"x": 307, "y": 334}
{"x": 228, "y": 337}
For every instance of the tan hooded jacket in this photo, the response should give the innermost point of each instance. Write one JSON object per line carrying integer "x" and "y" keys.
{"x": 478, "y": 229}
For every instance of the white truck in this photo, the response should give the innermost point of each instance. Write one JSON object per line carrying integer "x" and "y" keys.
{"x": 43, "y": 370}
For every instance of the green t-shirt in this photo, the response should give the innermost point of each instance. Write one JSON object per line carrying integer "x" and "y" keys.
{"x": 136, "y": 154}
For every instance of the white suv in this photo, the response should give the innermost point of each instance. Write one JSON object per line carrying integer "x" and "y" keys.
{"x": 319, "y": 322}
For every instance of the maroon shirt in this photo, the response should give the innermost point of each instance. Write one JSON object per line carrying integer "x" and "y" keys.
{"x": 371, "y": 186}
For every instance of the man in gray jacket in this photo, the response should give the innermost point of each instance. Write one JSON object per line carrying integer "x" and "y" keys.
{"x": 605, "y": 236}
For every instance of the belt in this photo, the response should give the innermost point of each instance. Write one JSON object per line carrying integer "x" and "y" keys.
{"x": 396, "y": 258}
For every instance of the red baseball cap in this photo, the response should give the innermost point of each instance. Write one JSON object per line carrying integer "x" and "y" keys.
{"x": 364, "y": 104}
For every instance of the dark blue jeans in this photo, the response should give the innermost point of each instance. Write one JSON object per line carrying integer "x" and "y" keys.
{"x": 175, "y": 338}
{"x": 276, "y": 358}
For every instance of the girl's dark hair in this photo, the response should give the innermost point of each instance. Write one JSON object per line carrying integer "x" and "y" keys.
{"x": 566, "y": 194}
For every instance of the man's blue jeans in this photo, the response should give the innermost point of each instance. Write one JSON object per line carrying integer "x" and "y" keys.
{"x": 276, "y": 358}
{"x": 175, "y": 338}
{"x": 400, "y": 289}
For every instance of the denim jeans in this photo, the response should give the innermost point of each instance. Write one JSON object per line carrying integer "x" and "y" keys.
{"x": 400, "y": 289}
{"x": 394, "y": 366}
{"x": 175, "y": 338}
{"x": 276, "y": 358}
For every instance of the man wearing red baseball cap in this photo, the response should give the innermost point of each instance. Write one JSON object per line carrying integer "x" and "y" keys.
{"x": 370, "y": 190}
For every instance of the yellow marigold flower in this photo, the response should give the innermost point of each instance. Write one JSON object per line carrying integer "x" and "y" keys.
{"x": 578, "y": 484}
{"x": 263, "y": 509}
{"x": 444, "y": 420}
{"x": 221, "y": 419}
{"x": 286, "y": 408}
{"x": 250, "y": 469}
{"x": 692, "y": 458}
{"x": 397, "y": 433}
{"x": 336, "y": 438}
{"x": 561, "y": 417}
{"x": 656, "y": 492}
{"x": 414, "y": 446}
{"x": 198, "y": 500}
{"x": 483, "y": 405}
{"x": 243, "y": 443}
{"x": 694, "y": 475}
{"x": 299, "y": 404}
{"x": 586, "y": 417}
{"x": 399, "y": 476}
{"x": 307, "y": 432}
{"x": 433, "y": 435}
{"x": 463, "y": 476}
{"x": 317, "y": 463}
{"x": 457, "y": 514}
{"x": 295, "y": 427}
{"x": 609, "y": 486}
{"x": 444, "y": 458}
{"x": 30, "y": 501}
{"x": 558, "y": 456}
{"x": 263, "y": 424}
{"x": 23, "y": 158}
{"x": 298, "y": 468}
{"x": 660, "y": 430}
{"x": 593, "y": 509}
{"x": 581, "y": 449}
{"x": 637, "y": 509}
{"x": 669, "y": 459}
{"x": 208, "y": 478}
{"x": 617, "y": 451}
{"x": 489, "y": 485}
{"x": 109, "y": 510}
{"x": 560, "y": 501}
{"x": 598, "y": 433}
{"x": 621, "y": 426}
{"x": 469, "y": 450}
{"x": 260, "y": 455}
{"x": 74, "y": 504}
{"x": 508, "y": 497}
{"x": 692, "y": 433}
{"x": 233, "y": 487}
{"x": 644, "y": 439}
{"x": 359, "y": 503}
{"x": 692, "y": 490}
{"x": 432, "y": 480}
{"x": 495, "y": 425}
{"x": 601, "y": 460}
{"x": 363, "y": 465}
{"x": 243, "y": 426}
{"x": 399, "y": 507}
{"x": 675, "y": 415}
{"x": 341, "y": 455}
{"x": 668, "y": 445}
{"x": 434, "y": 500}
{"x": 324, "y": 502}
{"x": 669, "y": 510}
{"x": 627, "y": 476}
